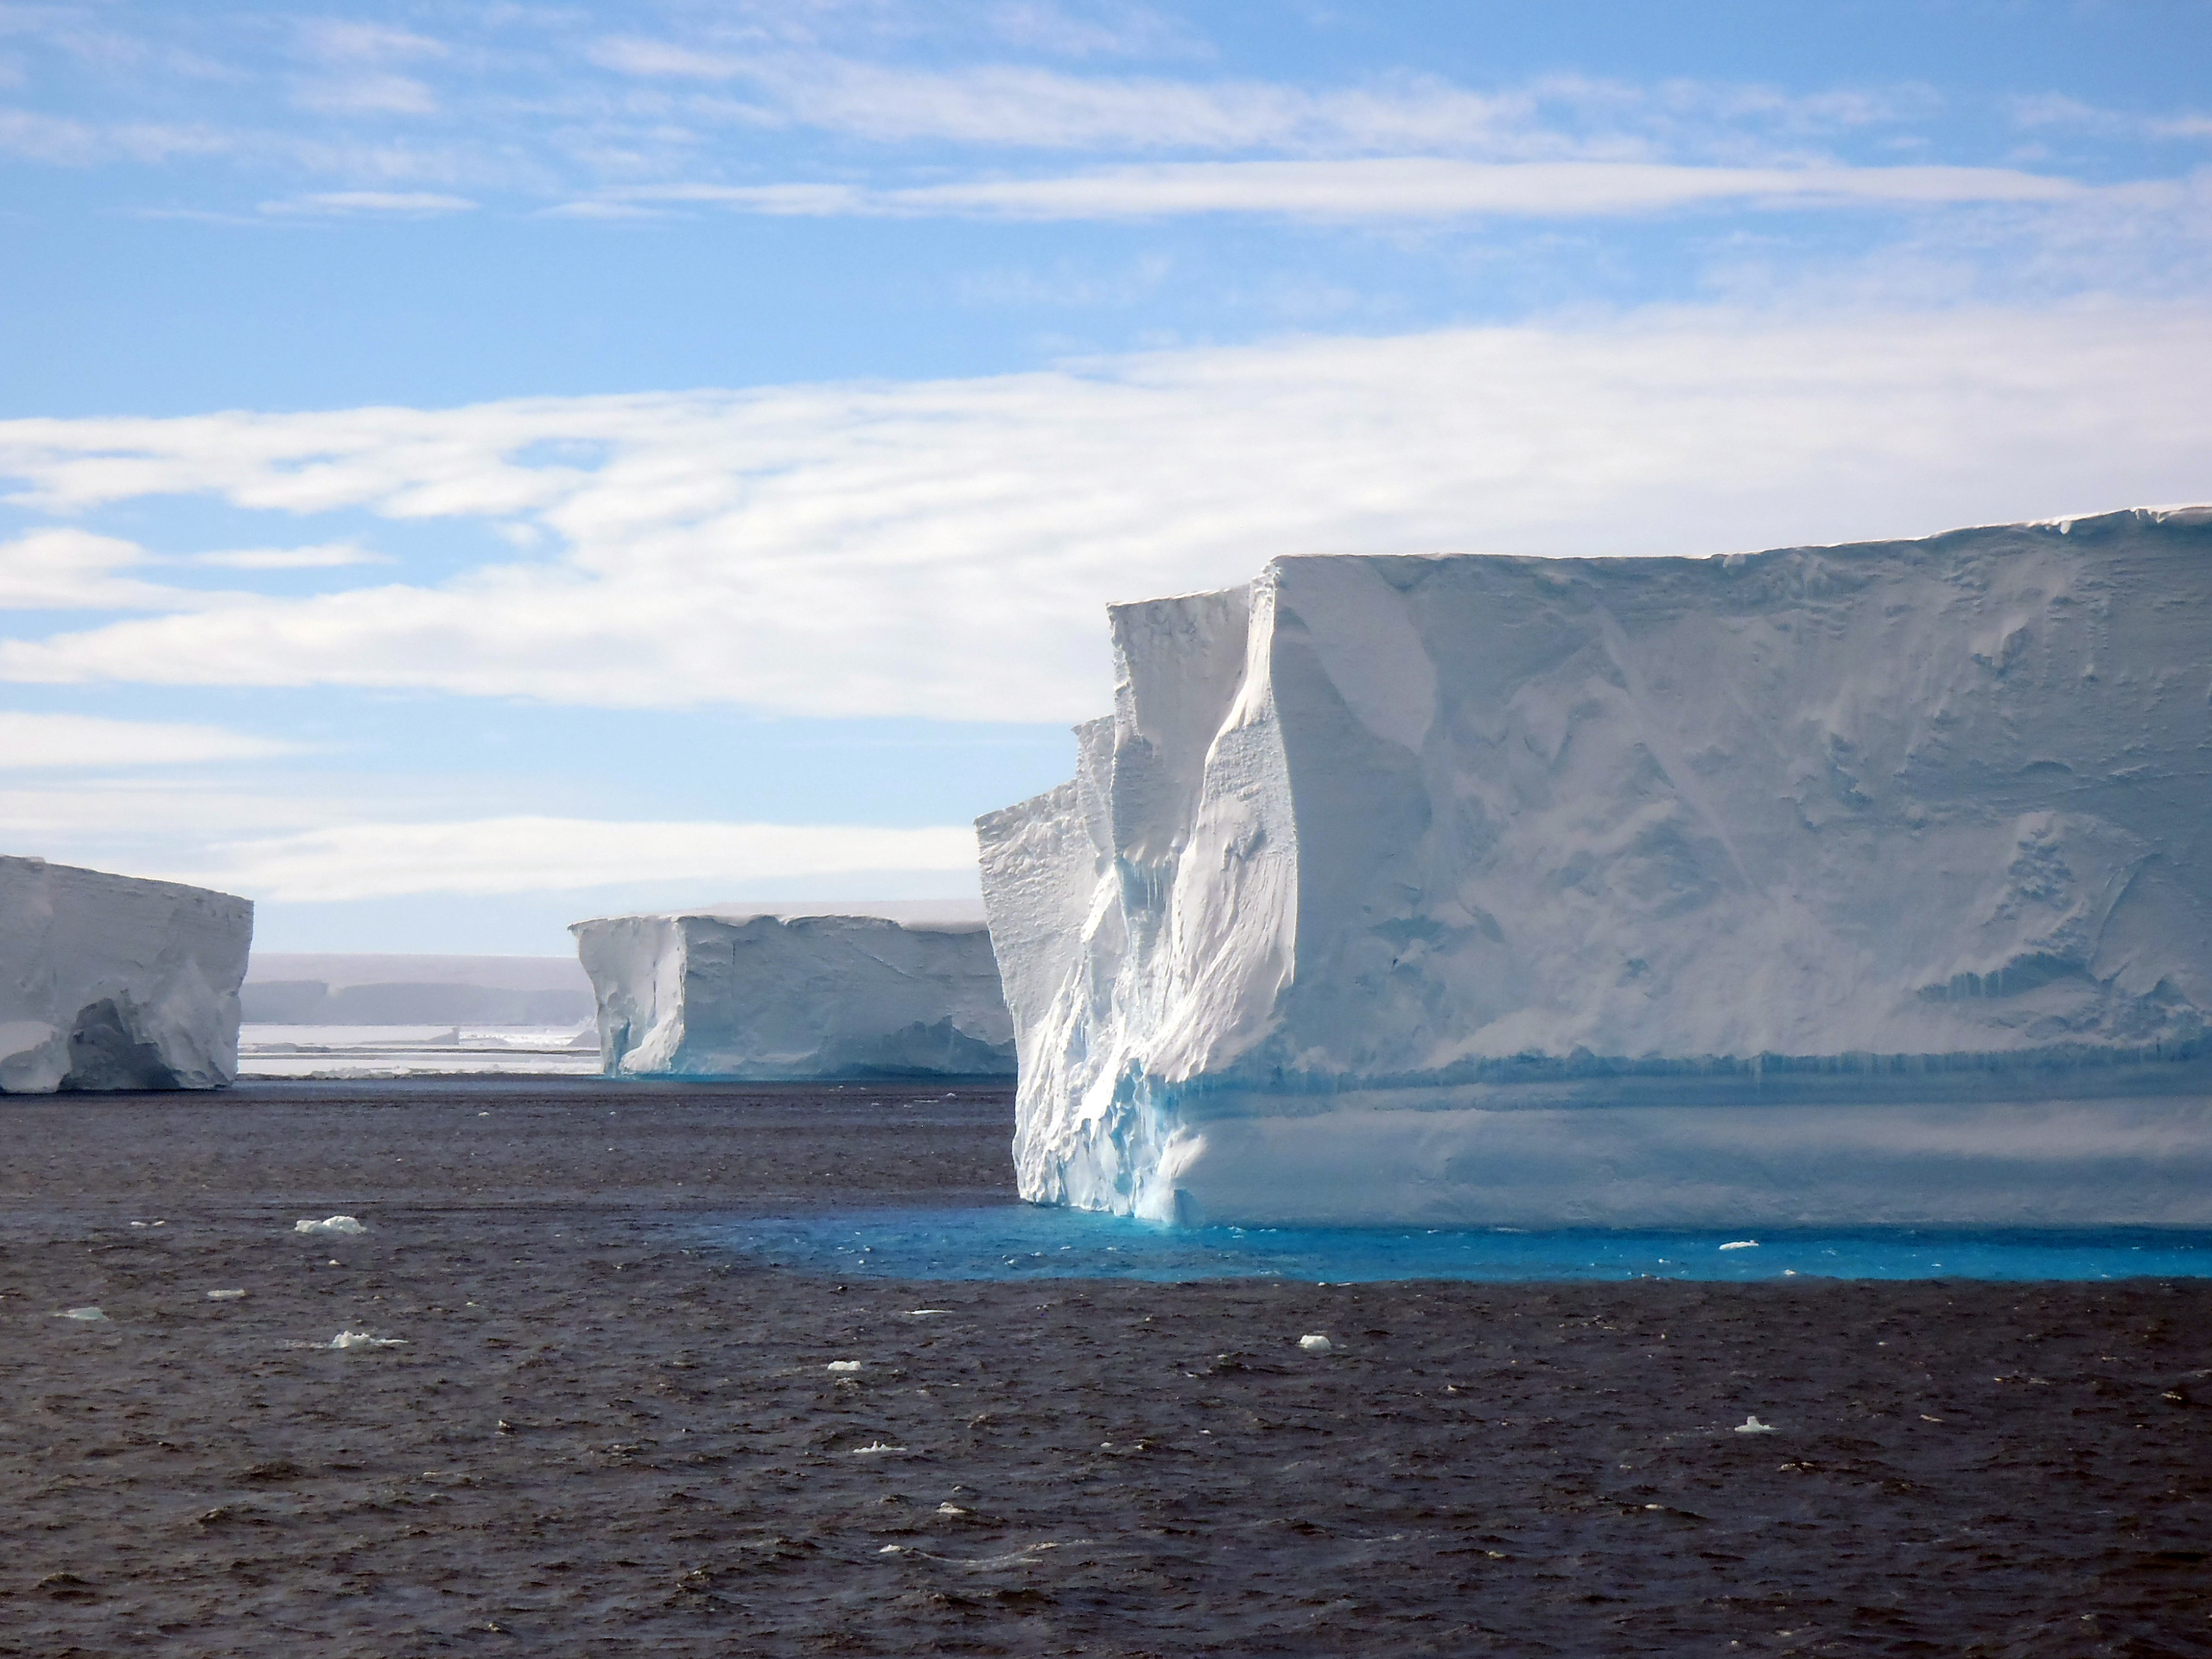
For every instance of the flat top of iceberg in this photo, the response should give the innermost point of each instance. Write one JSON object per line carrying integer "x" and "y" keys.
{"x": 21, "y": 864}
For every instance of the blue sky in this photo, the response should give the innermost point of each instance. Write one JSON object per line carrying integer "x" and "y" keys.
{"x": 464, "y": 468}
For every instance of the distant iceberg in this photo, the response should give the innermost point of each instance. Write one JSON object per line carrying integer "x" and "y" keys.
{"x": 765, "y": 995}
{"x": 1825, "y": 885}
{"x": 108, "y": 981}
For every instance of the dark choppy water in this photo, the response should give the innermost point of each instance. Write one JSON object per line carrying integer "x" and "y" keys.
{"x": 1022, "y": 1241}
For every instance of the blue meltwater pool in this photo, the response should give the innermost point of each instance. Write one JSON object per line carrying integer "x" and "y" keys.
{"x": 1019, "y": 1241}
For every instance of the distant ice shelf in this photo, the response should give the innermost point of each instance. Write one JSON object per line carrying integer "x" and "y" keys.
{"x": 793, "y": 996}
{"x": 292, "y": 988}
{"x": 1822, "y": 887}
{"x": 363, "y": 1052}
{"x": 109, "y": 982}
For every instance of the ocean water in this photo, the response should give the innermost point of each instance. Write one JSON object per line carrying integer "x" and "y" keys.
{"x": 1019, "y": 1241}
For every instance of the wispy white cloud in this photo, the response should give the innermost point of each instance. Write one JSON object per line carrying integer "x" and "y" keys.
{"x": 47, "y": 741}
{"x": 372, "y": 95}
{"x": 1420, "y": 187}
{"x": 630, "y": 55}
{"x": 1014, "y": 105}
{"x": 1022, "y": 107}
{"x": 62, "y": 568}
{"x": 2058, "y": 110}
{"x": 1124, "y": 31}
{"x": 324, "y": 555}
{"x": 944, "y": 549}
{"x": 64, "y": 142}
{"x": 527, "y": 855}
{"x": 387, "y": 204}
{"x": 343, "y": 41}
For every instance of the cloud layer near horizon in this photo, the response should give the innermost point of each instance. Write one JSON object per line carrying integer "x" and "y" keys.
{"x": 546, "y": 854}
{"x": 944, "y": 549}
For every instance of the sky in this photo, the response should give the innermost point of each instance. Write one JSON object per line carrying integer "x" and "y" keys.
{"x": 466, "y": 467}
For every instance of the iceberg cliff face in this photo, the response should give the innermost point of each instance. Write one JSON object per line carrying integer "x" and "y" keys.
{"x": 1828, "y": 884}
{"x": 768, "y": 997}
{"x": 107, "y": 981}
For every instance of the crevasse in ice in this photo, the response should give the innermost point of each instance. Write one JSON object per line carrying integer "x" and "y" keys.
{"x": 791, "y": 996}
{"x": 1831, "y": 885}
{"x": 109, "y": 982}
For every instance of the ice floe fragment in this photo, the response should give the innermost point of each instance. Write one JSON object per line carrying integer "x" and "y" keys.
{"x": 346, "y": 1224}
{"x": 1315, "y": 1345}
{"x": 89, "y": 1315}
{"x": 1752, "y": 1425}
{"x": 345, "y": 1341}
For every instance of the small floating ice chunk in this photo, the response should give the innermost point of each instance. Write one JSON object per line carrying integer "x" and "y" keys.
{"x": 1742, "y": 1244}
{"x": 842, "y": 1367}
{"x": 876, "y": 1446}
{"x": 224, "y": 1295}
{"x": 1315, "y": 1345}
{"x": 346, "y": 1340}
{"x": 925, "y": 1312}
{"x": 1752, "y": 1425}
{"x": 88, "y": 1314}
{"x": 347, "y": 1224}
{"x": 950, "y": 1508}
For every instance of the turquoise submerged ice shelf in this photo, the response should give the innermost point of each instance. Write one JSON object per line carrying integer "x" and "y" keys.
{"x": 1820, "y": 888}
{"x": 1031, "y": 1242}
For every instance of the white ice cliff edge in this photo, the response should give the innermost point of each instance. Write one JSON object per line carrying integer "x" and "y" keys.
{"x": 1864, "y": 884}
{"x": 107, "y": 981}
{"x": 766, "y": 996}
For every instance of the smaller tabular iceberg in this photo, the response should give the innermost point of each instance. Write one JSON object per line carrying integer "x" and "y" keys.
{"x": 107, "y": 981}
{"x": 790, "y": 996}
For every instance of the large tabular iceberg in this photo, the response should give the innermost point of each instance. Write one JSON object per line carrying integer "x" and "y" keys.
{"x": 107, "y": 981}
{"x": 1829, "y": 885}
{"x": 791, "y": 996}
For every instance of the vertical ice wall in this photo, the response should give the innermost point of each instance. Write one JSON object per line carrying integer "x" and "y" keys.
{"x": 1465, "y": 887}
{"x": 764, "y": 996}
{"x": 107, "y": 981}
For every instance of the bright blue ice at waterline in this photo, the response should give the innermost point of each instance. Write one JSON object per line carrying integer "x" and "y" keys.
{"x": 1032, "y": 1242}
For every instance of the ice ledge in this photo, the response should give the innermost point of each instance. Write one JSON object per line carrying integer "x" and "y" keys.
{"x": 2144, "y": 1162}
{"x": 2075, "y": 1071}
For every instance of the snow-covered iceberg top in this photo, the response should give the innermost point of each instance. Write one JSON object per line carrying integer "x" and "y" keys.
{"x": 108, "y": 981}
{"x": 1383, "y": 864}
{"x": 791, "y": 995}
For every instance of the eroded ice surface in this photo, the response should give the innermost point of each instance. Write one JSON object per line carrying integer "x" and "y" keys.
{"x": 107, "y": 981}
{"x": 1826, "y": 886}
{"x": 792, "y": 995}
